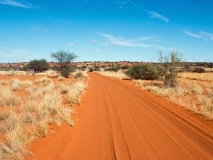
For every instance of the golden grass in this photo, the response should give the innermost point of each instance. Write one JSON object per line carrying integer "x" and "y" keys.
{"x": 196, "y": 96}
{"x": 49, "y": 73}
{"x": 64, "y": 89}
{"x": 13, "y": 73}
{"x": 8, "y": 98}
{"x": 13, "y": 129}
{"x": 80, "y": 75}
{"x": 16, "y": 85}
{"x": 60, "y": 78}
{"x": 119, "y": 74}
{"x": 75, "y": 92}
{"x": 197, "y": 76}
{"x": 22, "y": 120}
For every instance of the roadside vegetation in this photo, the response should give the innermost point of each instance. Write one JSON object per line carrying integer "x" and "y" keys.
{"x": 181, "y": 83}
{"x": 34, "y": 98}
{"x": 28, "y": 107}
{"x": 146, "y": 71}
{"x": 64, "y": 58}
{"x": 37, "y": 65}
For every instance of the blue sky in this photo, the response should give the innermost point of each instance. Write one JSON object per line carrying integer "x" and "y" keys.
{"x": 110, "y": 30}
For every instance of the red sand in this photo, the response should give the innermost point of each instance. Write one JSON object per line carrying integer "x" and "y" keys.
{"x": 120, "y": 121}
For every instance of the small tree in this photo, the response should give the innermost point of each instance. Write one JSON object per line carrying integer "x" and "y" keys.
{"x": 38, "y": 65}
{"x": 169, "y": 68}
{"x": 64, "y": 58}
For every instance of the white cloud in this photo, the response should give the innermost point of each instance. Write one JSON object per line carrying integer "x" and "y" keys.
{"x": 191, "y": 34}
{"x": 15, "y": 3}
{"x": 156, "y": 15}
{"x": 200, "y": 35}
{"x": 137, "y": 42}
{"x": 92, "y": 40}
{"x": 35, "y": 28}
{"x": 71, "y": 44}
{"x": 119, "y": 41}
{"x": 145, "y": 38}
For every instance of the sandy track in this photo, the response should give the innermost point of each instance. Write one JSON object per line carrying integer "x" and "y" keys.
{"x": 122, "y": 122}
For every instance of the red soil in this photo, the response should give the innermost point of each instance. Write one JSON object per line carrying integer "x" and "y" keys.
{"x": 120, "y": 121}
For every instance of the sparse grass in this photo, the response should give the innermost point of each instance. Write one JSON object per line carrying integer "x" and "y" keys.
{"x": 4, "y": 115}
{"x": 206, "y": 105}
{"x": 65, "y": 113}
{"x": 60, "y": 78}
{"x": 198, "y": 76}
{"x": 16, "y": 85}
{"x": 22, "y": 120}
{"x": 197, "y": 89}
{"x": 4, "y": 82}
{"x": 194, "y": 95}
{"x": 26, "y": 84}
{"x": 75, "y": 92}
{"x": 64, "y": 89}
{"x": 80, "y": 75}
{"x": 11, "y": 73}
{"x": 13, "y": 129}
{"x": 8, "y": 98}
{"x": 43, "y": 80}
{"x": 119, "y": 74}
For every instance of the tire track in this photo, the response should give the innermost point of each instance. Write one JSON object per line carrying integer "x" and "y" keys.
{"x": 123, "y": 122}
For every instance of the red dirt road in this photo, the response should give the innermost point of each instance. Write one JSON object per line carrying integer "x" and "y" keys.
{"x": 117, "y": 120}
{"x": 122, "y": 122}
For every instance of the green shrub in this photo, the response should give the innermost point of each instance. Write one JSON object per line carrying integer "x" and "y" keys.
{"x": 83, "y": 68}
{"x": 113, "y": 69}
{"x": 65, "y": 72}
{"x": 97, "y": 68}
{"x": 38, "y": 65}
{"x": 148, "y": 72}
{"x": 124, "y": 67}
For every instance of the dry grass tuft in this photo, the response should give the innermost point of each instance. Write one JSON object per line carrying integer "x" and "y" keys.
{"x": 60, "y": 78}
{"x": 43, "y": 80}
{"x": 75, "y": 92}
{"x": 8, "y": 98}
{"x": 197, "y": 76}
{"x": 42, "y": 105}
{"x": 16, "y": 85}
{"x": 13, "y": 129}
{"x": 80, "y": 75}
{"x": 119, "y": 74}
{"x": 64, "y": 89}
{"x": 65, "y": 115}
{"x": 196, "y": 96}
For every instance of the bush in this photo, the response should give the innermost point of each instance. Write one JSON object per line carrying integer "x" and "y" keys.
{"x": 97, "y": 68}
{"x": 83, "y": 68}
{"x": 124, "y": 67}
{"x": 65, "y": 72}
{"x": 90, "y": 69}
{"x": 38, "y": 65}
{"x": 113, "y": 69}
{"x": 199, "y": 70}
{"x": 148, "y": 72}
